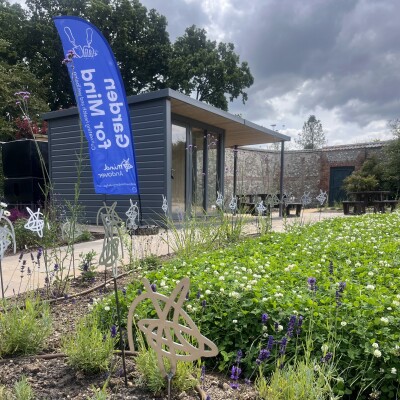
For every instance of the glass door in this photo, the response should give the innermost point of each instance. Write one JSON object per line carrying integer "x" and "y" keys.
{"x": 178, "y": 170}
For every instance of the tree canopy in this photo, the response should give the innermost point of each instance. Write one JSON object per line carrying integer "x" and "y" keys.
{"x": 312, "y": 136}
{"x": 209, "y": 70}
{"x": 32, "y": 51}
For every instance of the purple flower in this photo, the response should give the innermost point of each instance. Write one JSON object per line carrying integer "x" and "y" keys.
{"x": 292, "y": 323}
{"x": 208, "y": 397}
{"x": 327, "y": 357}
{"x": 264, "y": 354}
{"x": 56, "y": 267}
{"x": 283, "y": 345}
{"x": 20, "y": 256}
{"x": 342, "y": 286}
{"x": 113, "y": 331}
{"x": 270, "y": 343}
{"x": 153, "y": 287}
{"x": 264, "y": 318}
{"x": 123, "y": 290}
{"x": 39, "y": 253}
{"x": 331, "y": 267}
{"x": 299, "y": 324}
{"x": 203, "y": 304}
{"x": 235, "y": 373}
{"x": 203, "y": 373}
{"x": 139, "y": 292}
{"x": 198, "y": 294}
{"x": 276, "y": 326}
{"x": 239, "y": 356}
{"x": 187, "y": 295}
{"x": 312, "y": 284}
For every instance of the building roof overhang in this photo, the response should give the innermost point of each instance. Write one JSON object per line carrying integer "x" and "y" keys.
{"x": 238, "y": 131}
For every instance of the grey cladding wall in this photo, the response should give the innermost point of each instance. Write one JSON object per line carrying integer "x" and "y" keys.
{"x": 149, "y": 122}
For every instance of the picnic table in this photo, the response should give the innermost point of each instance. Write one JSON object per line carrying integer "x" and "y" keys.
{"x": 378, "y": 199}
{"x": 248, "y": 203}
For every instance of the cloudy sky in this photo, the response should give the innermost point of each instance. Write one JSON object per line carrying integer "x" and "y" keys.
{"x": 337, "y": 59}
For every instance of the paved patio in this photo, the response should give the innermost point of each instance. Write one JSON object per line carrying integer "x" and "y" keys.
{"x": 17, "y": 282}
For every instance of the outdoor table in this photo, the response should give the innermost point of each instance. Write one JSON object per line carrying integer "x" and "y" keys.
{"x": 379, "y": 199}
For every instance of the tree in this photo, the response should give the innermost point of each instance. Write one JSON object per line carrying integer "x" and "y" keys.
{"x": 392, "y": 159}
{"x": 209, "y": 70}
{"x": 312, "y": 136}
{"x": 137, "y": 37}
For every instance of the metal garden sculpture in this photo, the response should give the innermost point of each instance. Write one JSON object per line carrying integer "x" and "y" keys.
{"x": 132, "y": 214}
{"x": 233, "y": 204}
{"x": 322, "y": 197}
{"x": 220, "y": 200}
{"x": 35, "y": 223}
{"x": 173, "y": 334}
{"x": 260, "y": 207}
{"x": 306, "y": 199}
{"x": 7, "y": 237}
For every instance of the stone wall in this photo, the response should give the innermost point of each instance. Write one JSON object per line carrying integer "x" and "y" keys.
{"x": 304, "y": 170}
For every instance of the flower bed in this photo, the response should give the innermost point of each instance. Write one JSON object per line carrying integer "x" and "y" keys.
{"x": 350, "y": 305}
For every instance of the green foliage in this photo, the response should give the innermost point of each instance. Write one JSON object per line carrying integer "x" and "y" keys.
{"x": 305, "y": 380}
{"x": 146, "y": 363}
{"x": 369, "y": 177}
{"x": 312, "y": 136}
{"x": 23, "y": 390}
{"x": 24, "y": 330}
{"x": 356, "y": 182}
{"x": 88, "y": 348}
{"x": 392, "y": 159}
{"x": 199, "y": 65}
{"x": 269, "y": 274}
{"x": 25, "y": 239}
{"x": 87, "y": 265}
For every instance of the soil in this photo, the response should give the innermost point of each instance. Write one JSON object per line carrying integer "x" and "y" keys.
{"x": 53, "y": 379}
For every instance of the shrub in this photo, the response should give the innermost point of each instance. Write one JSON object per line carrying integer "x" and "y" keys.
{"x": 88, "y": 348}
{"x": 22, "y": 390}
{"x": 24, "y": 330}
{"x": 355, "y": 298}
{"x": 25, "y": 239}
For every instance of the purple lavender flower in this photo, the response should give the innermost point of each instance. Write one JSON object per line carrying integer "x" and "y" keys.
{"x": 292, "y": 323}
{"x": 327, "y": 357}
{"x": 56, "y": 266}
{"x": 153, "y": 287}
{"x": 276, "y": 326}
{"x": 113, "y": 331}
{"x": 20, "y": 256}
{"x": 208, "y": 397}
{"x": 264, "y": 354}
{"x": 239, "y": 356}
{"x": 139, "y": 292}
{"x": 123, "y": 290}
{"x": 203, "y": 373}
{"x": 204, "y": 304}
{"x": 198, "y": 294}
{"x": 39, "y": 253}
{"x": 270, "y": 343}
{"x": 187, "y": 295}
{"x": 342, "y": 286}
{"x": 283, "y": 345}
{"x": 299, "y": 324}
{"x": 331, "y": 268}
{"x": 264, "y": 318}
{"x": 312, "y": 284}
{"x": 235, "y": 373}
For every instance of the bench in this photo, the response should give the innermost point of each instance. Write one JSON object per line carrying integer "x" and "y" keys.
{"x": 359, "y": 207}
{"x": 380, "y": 206}
{"x": 290, "y": 206}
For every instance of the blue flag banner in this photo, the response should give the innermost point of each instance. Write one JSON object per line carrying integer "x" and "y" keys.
{"x": 103, "y": 108}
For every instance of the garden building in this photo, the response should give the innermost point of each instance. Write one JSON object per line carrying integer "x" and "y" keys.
{"x": 180, "y": 153}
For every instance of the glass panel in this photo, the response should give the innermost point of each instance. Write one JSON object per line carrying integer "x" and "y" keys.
{"x": 178, "y": 169}
{"x": 212, "y": 168}
{"x": 197, "y": 171}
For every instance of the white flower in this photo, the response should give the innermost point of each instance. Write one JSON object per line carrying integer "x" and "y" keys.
{"x": 370, "y": 287}
{"x": 162, "y": 283}
{"x": 343, "y": 323}
{"x": 370, "y": 273}
{"x": 3, "y": 205}
{"x": 265, "y": 328}
{"x": 234, "y": 321}
{"x": 393, "y": 371}
{"x": 375, "y": 345}
{"x": 6, "y": 213}
{"x": 385, "y": 320}
{"x": 222, "y": 290}
{"x": 377, "y": 353}
{"x": 189, "y": 307}
{"x": 280, "y": 328}
{"x": 221, "y": 278}
{"x": 324, "y": 348}
{"x": 278, "y": 295}
{"x": 389, "y": 308}
{"x": 208, "y": 291}
{"x": 107, "y": 308}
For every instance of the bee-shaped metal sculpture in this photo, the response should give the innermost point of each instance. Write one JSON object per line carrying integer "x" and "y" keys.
{"x": 168, "y": 337}
{"x": 322, "y": 197}
{"x": 35, "y": 224}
